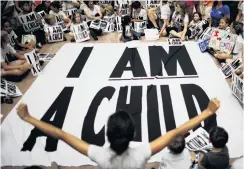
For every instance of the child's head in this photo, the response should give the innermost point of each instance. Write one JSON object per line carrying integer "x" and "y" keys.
{"x": 218, "y": 137}
{"x": 77, "y": 18}
{"x": 25, "y": 6}
{"x": 55, "y": 6}
{"x": 181, "y": 7}
{"x": 120, "y": 131}
{"x": 47, "y": 3}
{"x": 197, "y": 16}
{"x": 7, "y": 26}
{"x": 4, "y": 39}
{"x": 177, "y": 145}
{"x": 137, "y": 6}
{"x": 50, "y": 19}
{"x": 224, "y": 22}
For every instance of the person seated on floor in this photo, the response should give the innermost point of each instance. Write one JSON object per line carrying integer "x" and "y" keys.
{"x": 44, "y": 6}
{"x": 122, "y": 7}
{"x": 224, "y": 24}
{"x": 93, "y": 12}
{"x": 14, "y": 40}
{"x": 105, "y": 5}
{"x": 218, "y": 157}
{"x": 61, "y": 17}
{"x": 12, "y": 63}
{"x": 179, "y": 21}
{"x": 128, "y": 33}
{"x": 176, "y": 157}
{"x": 50, "y": 21}
{"x": 26, "y": 7}
{"x": 192, "y": 30}
{"x": 138, "y": 13}
{"x": 120, "y": 132}
{"x": 77, "y": 19}
{"x": 160, "y": 23}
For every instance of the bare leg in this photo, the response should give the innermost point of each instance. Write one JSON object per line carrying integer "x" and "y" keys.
{"x": 176, "y": 34}
{"x": 152, "y": 17}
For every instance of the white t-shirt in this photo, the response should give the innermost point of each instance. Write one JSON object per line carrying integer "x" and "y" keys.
{"x": 92, "y": 13}
{"x": 238, "y": 48}
{"x": 8, "y": 50}
{"x": 132, "y": 158}
{"x": 142, "y": 15}
{"x": 179, "y": 161}
{"x": 12, "y": 36}
{"x": 68, "y": 5}
{"x": 180, "y": 20}
{"x": 165, "y": 11}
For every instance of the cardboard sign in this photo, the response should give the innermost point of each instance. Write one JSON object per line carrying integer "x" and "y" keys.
{"x": 175, "y": 42}
{"x": 140, "y": 26}
{"x": 198, "y": 29}
{"x": 29, "y": 22}
{"x": 70, "y": 12}
{"x": 61, "y": 22}
{"x": 227, "y": 69}
{"x": 118, "y": 24}
{"x": 55, "y": 34}
{"x": 33, "y": 59}
{"x": 203, "y": 45}
{"x": 9, "y": 89}
{"x": 198, "y": 140}
{"x": 41, "y": 15}
{"x": 80, "y": 33}
{"x": 222, "y": 40}
{"x": 237, "y": 87}
{"x": 110, "y": 19}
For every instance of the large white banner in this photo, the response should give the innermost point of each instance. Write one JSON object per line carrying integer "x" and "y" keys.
{"x": 161, "y": 86}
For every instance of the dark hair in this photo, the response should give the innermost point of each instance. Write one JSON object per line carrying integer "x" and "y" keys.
{"x": 226, "y": 19}
{"x": 120, "y": 131}
{"x": 4, "y": 21}
{"x": 87, "y": 2}
{"x": 216, "y": 2}
{"x": 199, "y": 14}
{"x": 136, "y": 5}
{"x": 126, "y": 20}
{"x": 184, "y": 7}
{"x": 164, "y": 2}
{"x": 218, "y": 137}
{"x": 22, "y": 3}
{"x": 56, "y": 4}
{"x": 73, "y": 16}
{"x": 177, "y": 145}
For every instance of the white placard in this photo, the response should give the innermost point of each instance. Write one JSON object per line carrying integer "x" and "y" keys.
{"x": 140, "y": 26}
{"x": 118, "y": 24}
{"x": 61, "y": 22}
{"x": 151, "y": 34}
{"x": 9, "y": 89}
{"x": 80, "y": 33}
{"x": 70, "y": 12}
{"x": 237, "y": 86}
{"x": 227, "y": 69}
{"x": 45, "y": 56}
{"x": 55, "y": 34}
{"x": 33, "y": 59}
{"x": 198, "y": 140}
{"x": 29, "y": 22}
{"x": 95, "y": 24}
{"x": 175, "y": 42}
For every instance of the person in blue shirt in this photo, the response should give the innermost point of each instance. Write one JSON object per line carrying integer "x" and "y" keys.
{"x": 219, "y": 10}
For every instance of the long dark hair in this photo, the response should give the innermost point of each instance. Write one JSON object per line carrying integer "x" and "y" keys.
{"x": 120, "y": 131}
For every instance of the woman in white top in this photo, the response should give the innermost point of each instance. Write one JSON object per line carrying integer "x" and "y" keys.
{"x": 120, "y": 131}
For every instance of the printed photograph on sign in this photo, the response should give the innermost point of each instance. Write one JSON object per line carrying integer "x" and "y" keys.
{"x": 9, "y": 89}
{"x": 140, "y": 26}
{"x": 104, "y": 25}
{"x": 228, "y": 68}
{"x": 237, "y": 86}
{"x": 45, "y": 56}
{"x": 95, "y": 24}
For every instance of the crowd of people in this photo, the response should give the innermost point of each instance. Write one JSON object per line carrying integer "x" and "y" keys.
{"x": 179, "y": 19}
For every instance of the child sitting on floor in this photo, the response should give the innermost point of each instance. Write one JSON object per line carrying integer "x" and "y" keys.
{"x": 177, "y": 157}
{"x": 128, "y": 33}
{"x": 224, "y": 24}
{"x": 218, "y": 157}
{"x": 12, "y": 63}
{"x": 77, "y": 19}
{"x": 14, "y": 42}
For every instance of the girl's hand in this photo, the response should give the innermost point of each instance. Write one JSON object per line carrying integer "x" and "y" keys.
{"x": 182, "y": 38}
{"x": 23, "y": 112}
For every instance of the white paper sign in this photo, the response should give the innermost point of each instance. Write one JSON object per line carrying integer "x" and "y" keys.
{"x": 151, "y": 34}
{"x": 29, "y": 22}
{"x": 140, "y": 26}
{"x": 198, "y": 140}
{"x": 55, "y": 34}
{"x": 118, "y": 24}
{"x": 175, "y": 42}
{"x": 95, "y": 24}
{"x": 70, "y": 12}
{"x": 45, "y": 56}
{"x": 61, "y": 22}
{"x": 33, "y": 59}
{"x": 237, "y": 86}
{"x": 80, "y": 33}
{"x": 9, "y": 89}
